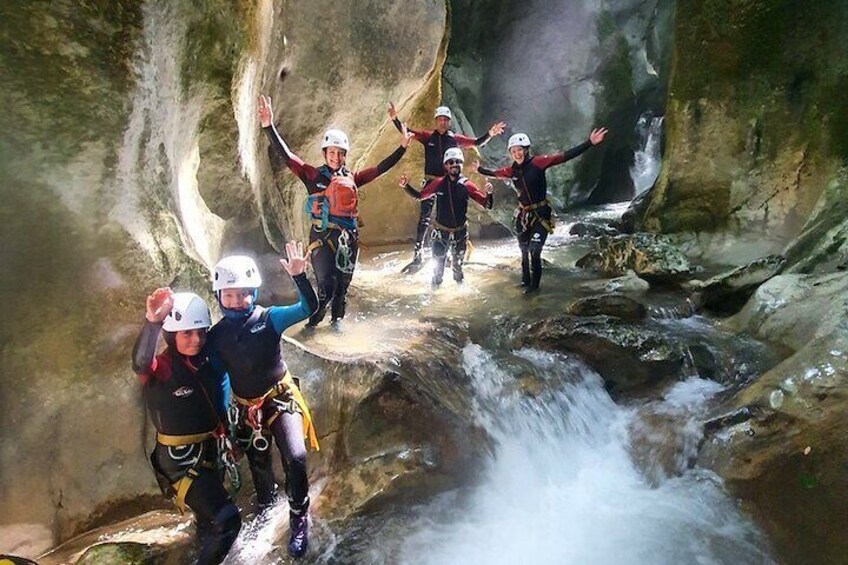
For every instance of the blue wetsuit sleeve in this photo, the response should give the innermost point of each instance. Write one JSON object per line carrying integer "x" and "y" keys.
{"x": 221, "y": 394}
{"x": 284, "y": 316}
{"x": 222, "y": 397}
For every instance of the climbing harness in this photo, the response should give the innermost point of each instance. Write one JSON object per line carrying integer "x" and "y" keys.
{"x": 344, "y": 262}
{"x": 285, "y": 386}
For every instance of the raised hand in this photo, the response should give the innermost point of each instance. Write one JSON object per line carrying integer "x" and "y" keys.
{"x": 597, "y": 135}
{"x": 407, "y": 135}
{"x": 266, "y": 114}
{"x": 296, "y": 264}
{"x": 392, "y": 111}
{"x": 403, "y": 180}
{"x": 489, "y": 187}
{"x": 159, "y": 304}
{"x": 497, "y": 129}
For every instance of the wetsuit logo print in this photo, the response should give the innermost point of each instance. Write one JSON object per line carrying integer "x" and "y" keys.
{"x": 258, "y": 327}
{"x": 183, "y": 391}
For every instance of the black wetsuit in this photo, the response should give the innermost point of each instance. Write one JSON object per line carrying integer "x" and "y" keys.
{"x": 335, "y": 247}
{"x": 186, "y": 397}
{"x": 451, "y": 230}
{"x": 249, "y": 349}
{"x": 435, "y": 145}
{"x": 533, "y": 215}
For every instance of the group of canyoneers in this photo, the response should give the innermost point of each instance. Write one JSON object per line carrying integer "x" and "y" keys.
{"x": 217, "y": 392}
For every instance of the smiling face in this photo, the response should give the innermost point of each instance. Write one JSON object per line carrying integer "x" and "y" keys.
{"x": 518, "y": 153}
{"x": 334, "y": 157}
{"x": 442, "y": 124}
{"x": 453, "y": 167}
{"x": 190, "y": 342}
{"x": 237, "y": 298}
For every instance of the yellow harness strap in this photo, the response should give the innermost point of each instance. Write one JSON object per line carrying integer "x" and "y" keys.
{"x": 181, "y": 487}
{"x": 287, "y": 384}
{"x": 548, "y": 225}
{"x": 175, "y": 441}
{"x": 534, "y": 206}
{"x": 440, "y": 227}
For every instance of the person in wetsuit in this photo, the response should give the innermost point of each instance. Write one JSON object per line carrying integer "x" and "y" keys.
{"x": 246, "y": 341}
{"x": 333, "y": 207}
{"x": 187, "y": 398}
{"x": 533, "y": 220}
{"x": 451, "y": 193}
{"x": 435, "y": 144}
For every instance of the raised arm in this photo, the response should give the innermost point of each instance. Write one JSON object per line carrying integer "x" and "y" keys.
{"x": 367, "y": 175}
{"x": 484, "y": 199}
{"x": 494, "y": 131}
{"x": 596, "y": 137}
{"x": 284, "y": 316}
{"x": 403, "y": 182}
{"x": 503, "y": 172}
{"x": 303, "y": 171}
{"x": 419, "y": 135}
{"x": 158, "y": 305}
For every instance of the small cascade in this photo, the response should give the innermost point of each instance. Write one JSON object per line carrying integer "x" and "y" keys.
{"x": 674, "y": 312}
{"x": 647, "y": 160}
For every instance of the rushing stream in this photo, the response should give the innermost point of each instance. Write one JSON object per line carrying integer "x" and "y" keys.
{"x": 571, "y": 476}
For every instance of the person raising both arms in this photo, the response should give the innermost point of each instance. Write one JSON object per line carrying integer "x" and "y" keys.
{"x": 333, "y": 208}
{"x": 451, "y": 193}
{"x": 533, "y": 215}
{"x": 435, "y": 144}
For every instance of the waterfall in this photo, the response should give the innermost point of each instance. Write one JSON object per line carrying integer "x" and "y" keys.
{"x": 562, "y": 487}
{"x": 647, "y": 160}
{"x": 156, "y": 189}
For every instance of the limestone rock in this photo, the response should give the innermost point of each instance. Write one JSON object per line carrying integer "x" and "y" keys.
{"x": 727, "y": 293}
{"x": 582, "y": 229}
{"x": 793, "y": 309}
{"x": 651, "y": 257}
{"x": 629, "y": 358}
{"x": 614, "y": 305}
{"x": 781, "y": 443}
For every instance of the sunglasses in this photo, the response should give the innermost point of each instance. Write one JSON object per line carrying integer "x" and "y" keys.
{"x": 452, "y": 162}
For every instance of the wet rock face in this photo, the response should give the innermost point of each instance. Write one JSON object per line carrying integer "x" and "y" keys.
{"x": 781, "y": 443}
{"x": 609, "y": 305}
{"x": 792, "y": 309}
{"x": 727, "y": 293}
{"x": 123, "y": 150}
{"x": 651, "y": 257}
{"x": 581, "y": 229}
{"x": 822, "y": 247}
{"x": 757, "y": 121}
{"x": 629, "y": 358}
{"x": 389, "y": 431}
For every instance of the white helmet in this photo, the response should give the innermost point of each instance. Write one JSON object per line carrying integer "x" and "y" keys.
{"x": 443, "y": 111}
{"x": 518, "y": 139}
{"x": 188, "y": 313}
{"x": 236, "y": 271}
{"x": 335, "y": 138}
{"x": 453, "y": 153}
